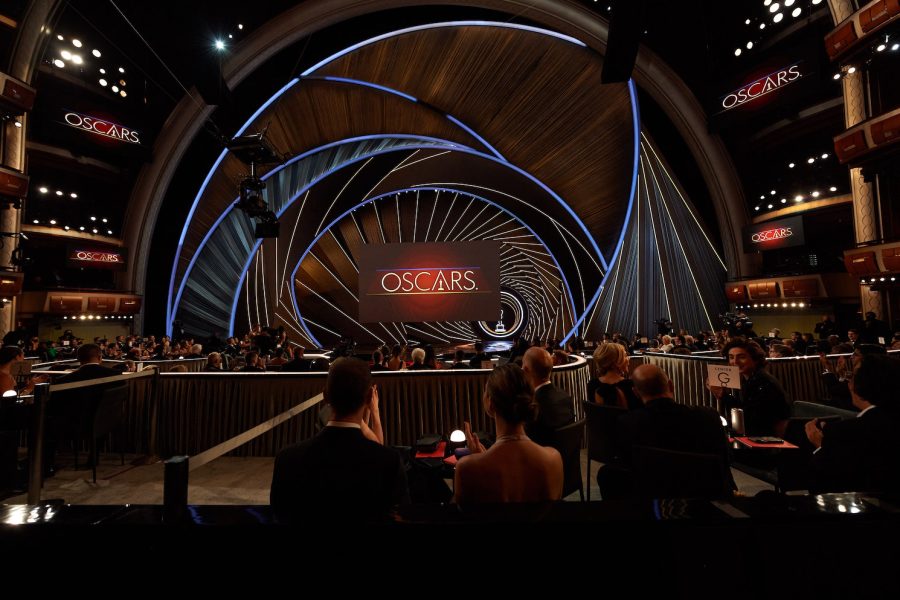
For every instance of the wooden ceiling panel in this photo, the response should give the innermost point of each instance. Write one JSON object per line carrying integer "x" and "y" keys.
{"x": 537, "y": 99}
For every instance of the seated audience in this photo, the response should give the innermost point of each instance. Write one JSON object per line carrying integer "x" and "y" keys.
{"x": 418, "y": 357}
{"x": 861, "y": 454}
{"x": 514, "y": 469}
{"x": 298, "y": 364}
{"x": 836, "y": 380}
{"x": 459, "y": 360}
{"x": 661, "y": 422}
{"x": 479, "y": 357}
{"x": 213, "y": 362}
{"x": 377, "y": 360}
{"x": 253, "y": 365}
{"x": 396, "y": 361}
{"x": 340, "y": 475}
{"x": 89, "y": 356}
{"x": 611, "y": 387}
{"x": 554, "y": 406}
{"x": 762, "y": 398}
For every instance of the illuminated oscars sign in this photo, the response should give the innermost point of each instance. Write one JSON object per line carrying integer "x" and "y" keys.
{"x": 96, "y": 258}
{"x": 761, "y": 87}
{"x": 430, "y": 282}
{"x": 774, "y": 235}
{"x": 102, "y": 127}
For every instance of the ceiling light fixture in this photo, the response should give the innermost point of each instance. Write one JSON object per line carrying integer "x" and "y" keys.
{"x": 76, "y": 43}
{"x": 96, "y": 53}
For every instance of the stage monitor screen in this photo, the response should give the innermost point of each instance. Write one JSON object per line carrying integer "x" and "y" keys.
{"x": 457, "y": 281}
{"x": 774, "y": 235}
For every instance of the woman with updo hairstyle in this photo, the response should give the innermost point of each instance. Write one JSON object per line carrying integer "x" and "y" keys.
{"x": 611, "y": 387}
{"x": 514, "y": 469}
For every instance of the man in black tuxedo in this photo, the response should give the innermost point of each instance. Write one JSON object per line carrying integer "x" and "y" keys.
{"x": 340, "y": 475}
{"x": 661, "y": 423}
{"x": 555, "y": 407}
{"x": 861, "y": 454}
{"x": 90, "y": 357}
{"x": 664, "y": 423}
{"x": 479, "y": 357}
{"x": 298, "y": 364}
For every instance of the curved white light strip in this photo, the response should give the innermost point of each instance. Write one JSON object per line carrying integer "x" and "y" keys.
{"x": 371, "y": 200}
{"x": 170, "y": 306}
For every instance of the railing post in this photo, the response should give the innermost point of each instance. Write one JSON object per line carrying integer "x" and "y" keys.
{"x": 36, "y": 443}
{"x": 175, "y": 489}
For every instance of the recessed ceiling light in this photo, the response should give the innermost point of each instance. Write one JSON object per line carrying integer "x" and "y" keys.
{"x": 815, "y": 194}
{"x": 43, "y": 190}
{"x": 103, "y": 82}
{"x": 66, "y": 55}
{"x": 60, "y": 38}
{"x": 123, "y": 93}
{"x": 109, "y": 231}
{"x": 811, "y": 160}
{"x": 832, "y": 189}
{"x": 67, "y": 228}
{"x": 104, "y": 220}
{"x": 93, "y": 218}
{"x": 790, "y": 165}
{"x": 757, "y": 208}
{"x": 798, "y": 198}
{"x": 824, "y": 156}
{"x": 81, "y": 229}
{"x": 59, "y": 193}
{"x": 103, "y": 71}
{"x": 837, "y": 76}
{"x": 35, "y": 221}
{"x": 115, "y": 88}
{"x": 796, "y": 12}
{"x": 784, "y": 200}
{"x": 772, "y": 192}
{"x": 737, "y": 52}
{"x": 895, "y": 47}
{"x": 851, "y": 70}
{"x": 762, "y": 25}
{"x": 220, "y": 45}
{"x": 777, "y": 18}
{"x": 96, "y": 53}
{"x": 76, "y": 43}
{"x": 74, "y": 195}
{"x": 770, "y": 206}
{"x": 58, "y": 63}
{"x": 76, "y": 58}
{"x": 240, "y": 25}
{"x": 121, "y": 69}
{"x": 53, "y": 221}
{"x": 747, "y": 22}
{"x": 880, "y": 48}
{"x": 749, "y": 45}
{"x": 774, "y": 8}
{"x": 788, "y": 2}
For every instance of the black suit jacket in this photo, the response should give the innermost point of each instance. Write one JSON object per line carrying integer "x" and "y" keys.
{"x": 86, "y": 372}
{"x": 554, "y": 411}
{"x": 663, "y": 423}
{"x": 337, "y": 476}
{"x": 859, "y": 454}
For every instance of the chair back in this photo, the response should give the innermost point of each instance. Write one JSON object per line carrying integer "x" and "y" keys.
{"x": 110, "y": 409}
{"x": 567, "y": 440}
{"x": 662, "y": 473}
{"x": 601, "y": 430}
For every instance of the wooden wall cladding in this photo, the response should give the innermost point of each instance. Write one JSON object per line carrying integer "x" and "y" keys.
{"x": 763, "y": 290}
{"x": 65, "y": 304}
{"x": 800, "y": 288}
{"x": 129, "y": 304}
{"x": 890, "y": 257}
{"x": 101, "y": 303}
{"x": 736, "y": 292}
{"x": 861, "y": 263}
{"x": 11, "y": 284}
